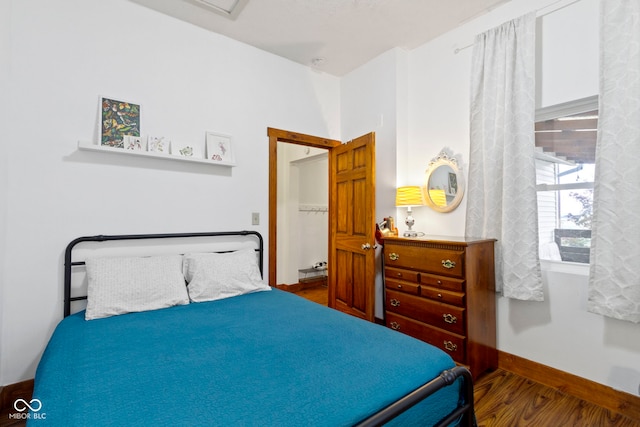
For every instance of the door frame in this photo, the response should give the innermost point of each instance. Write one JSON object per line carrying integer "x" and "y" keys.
{"x": 275, "y": 136}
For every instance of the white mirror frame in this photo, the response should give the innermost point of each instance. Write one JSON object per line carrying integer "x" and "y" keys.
{"x": 443, "y": 159}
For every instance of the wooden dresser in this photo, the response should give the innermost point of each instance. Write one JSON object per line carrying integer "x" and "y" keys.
{"x": 442, "y": 291}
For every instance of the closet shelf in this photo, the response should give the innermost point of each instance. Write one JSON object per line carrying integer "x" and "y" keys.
{"x": 313, "y": 208}
{"x": 88, "y": 146}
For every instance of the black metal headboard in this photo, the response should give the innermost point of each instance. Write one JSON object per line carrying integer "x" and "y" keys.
{"x": 69, "y": 263}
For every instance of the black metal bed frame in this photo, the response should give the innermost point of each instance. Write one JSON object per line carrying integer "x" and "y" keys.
{"x": 69, "y": 263}
{"x": 464, "y": 412}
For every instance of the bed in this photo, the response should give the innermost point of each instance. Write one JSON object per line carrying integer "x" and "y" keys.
{"x": 253, "y": 357}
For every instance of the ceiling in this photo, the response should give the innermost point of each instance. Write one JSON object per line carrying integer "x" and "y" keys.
{"x": 334, "y": 36}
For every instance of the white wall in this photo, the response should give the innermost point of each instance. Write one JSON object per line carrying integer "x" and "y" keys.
{"x": 558, "y": 332}
{"x": 313, "y": 228}
{"x": 287, "y": 218}
{"x": 567, "y": 59}
{"x": 65, "y": 54}
{"x": 5, "y": 135}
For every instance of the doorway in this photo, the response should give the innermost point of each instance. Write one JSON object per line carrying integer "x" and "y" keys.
{"x": 293, "y": 146}
{"x": 351, "y": 212}
{"x": 303, "y": 217}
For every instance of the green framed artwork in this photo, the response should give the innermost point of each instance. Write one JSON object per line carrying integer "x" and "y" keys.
{"x": 118, "y": 119}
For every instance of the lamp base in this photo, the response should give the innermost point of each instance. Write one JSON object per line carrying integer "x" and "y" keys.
{"x": 409, "y": 222}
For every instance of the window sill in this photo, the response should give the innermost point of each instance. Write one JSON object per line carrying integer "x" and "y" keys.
{"x": 579, "y": 269}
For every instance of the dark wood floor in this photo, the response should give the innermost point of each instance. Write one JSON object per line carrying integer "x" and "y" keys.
{"x": 504, "y": 399}
{"x": 316, "y": 294}
{"x": 6, "y": 422}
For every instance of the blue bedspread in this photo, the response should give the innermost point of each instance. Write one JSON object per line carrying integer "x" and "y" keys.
{"x": 262, "y": 359}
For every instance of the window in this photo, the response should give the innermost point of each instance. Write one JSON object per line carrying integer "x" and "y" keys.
{"x": 565, "y": 138}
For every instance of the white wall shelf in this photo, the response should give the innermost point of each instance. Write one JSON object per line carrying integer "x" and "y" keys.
{"x": 88, "y": 146}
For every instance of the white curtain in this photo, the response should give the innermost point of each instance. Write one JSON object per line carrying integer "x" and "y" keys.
{"x": 614, "y": 282}
{"x": 502, "y": 200}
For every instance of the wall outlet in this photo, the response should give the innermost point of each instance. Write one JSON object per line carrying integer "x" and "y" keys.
{"x": 255, "y": 218}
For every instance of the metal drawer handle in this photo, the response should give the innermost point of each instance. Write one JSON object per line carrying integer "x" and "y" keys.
{"x": 447, "y": 263}
{"x": 450, "y": 346}
{"x": 394, "y": 256}
{"x": 395, "y": 326}
{"x": 395, "y": 303}
{"x": 449, "y": 318}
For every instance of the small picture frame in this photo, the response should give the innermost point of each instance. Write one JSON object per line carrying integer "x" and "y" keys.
{"x": 134, "y": 143}
{"x": 158, "y": 144}
{"x": 186, "y": 150}
{"x": 118, "y": 119}
{"x": 220, "y": 148}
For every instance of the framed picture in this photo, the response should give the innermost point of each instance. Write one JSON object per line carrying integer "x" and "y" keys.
{"x": 220, "y": 148}
{"x": 133, "y": 143}
{"x": 118, "y": 119}
{"x": 158, "y": 144}
{"x": 186, "y": 150}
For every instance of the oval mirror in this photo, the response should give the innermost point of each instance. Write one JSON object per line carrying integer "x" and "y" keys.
{"x": 444, "y": 183}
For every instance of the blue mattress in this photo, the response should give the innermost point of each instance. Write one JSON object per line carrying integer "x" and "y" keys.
{"x": 262, "y": 359}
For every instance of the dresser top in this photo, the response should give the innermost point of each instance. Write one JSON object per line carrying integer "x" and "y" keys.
{"x": 457, "y": 240}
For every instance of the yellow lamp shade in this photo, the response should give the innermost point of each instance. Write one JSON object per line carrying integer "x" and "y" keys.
{"x": 411, "y": 195}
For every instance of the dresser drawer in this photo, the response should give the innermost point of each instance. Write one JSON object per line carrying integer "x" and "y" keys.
{"x": 441, "y": 315}
{"x": 399, "y": 274}
{"x": 446, "y": 296}
{"x": 439, "y": 261}
{"x": 452, "y": 344}
{"x": 410, "y": 288}
{"x": 442, "y": 282}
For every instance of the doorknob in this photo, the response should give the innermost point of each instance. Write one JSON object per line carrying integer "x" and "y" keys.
{"x": 366, "y": 246}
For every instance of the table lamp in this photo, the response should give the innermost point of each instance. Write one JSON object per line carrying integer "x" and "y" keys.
{"x": 410, "y": 196}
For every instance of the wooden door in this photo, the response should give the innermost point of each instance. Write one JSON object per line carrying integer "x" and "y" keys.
{"x": 352, "y": 227}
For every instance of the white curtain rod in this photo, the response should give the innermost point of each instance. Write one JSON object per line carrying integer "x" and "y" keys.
{"x": 538, "y": 15}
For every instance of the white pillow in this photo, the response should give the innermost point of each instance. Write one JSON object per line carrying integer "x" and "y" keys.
{"x": 212, "y": 276}
{"x": 131, "y": 284}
